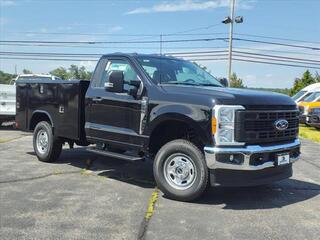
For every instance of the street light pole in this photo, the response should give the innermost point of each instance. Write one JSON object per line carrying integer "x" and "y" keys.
{"x": 230, "y": 39}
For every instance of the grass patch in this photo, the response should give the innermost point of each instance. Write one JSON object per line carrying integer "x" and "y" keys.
{"x": 5, "y": 140}
{"x": 309, "y": 133}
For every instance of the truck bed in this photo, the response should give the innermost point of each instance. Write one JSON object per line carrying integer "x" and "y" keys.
{"x": 62, "y": 101}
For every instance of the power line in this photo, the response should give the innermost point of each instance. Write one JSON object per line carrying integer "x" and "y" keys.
{"x": 100, "y": 47}
{"x": 180, "y": 54}
{"x": 31, "y": 42}
{"x": 277, "y": 56}
{"x": 208, "y": 53}
{"x": 274, "y": 38}
{"x": 51, "y": 54}
{"x": 47, "y": 59}
{"x": 277, "y": 43}
{"x": 262, "y": 62}
{"x": 195, "y": 59}
{"x": 111, "y": 42}
{"x": 253, "y": 57}
{"x": 181, "y": 33}
{"x": 277, "y": 51}
{"x": 278, "y": 60}
{"x": 192, "y": 30}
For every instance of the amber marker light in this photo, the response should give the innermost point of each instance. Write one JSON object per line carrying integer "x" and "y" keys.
{"x": 213, "y": 125}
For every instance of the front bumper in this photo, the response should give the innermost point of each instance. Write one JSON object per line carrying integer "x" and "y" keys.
{"x": 258, "y": 164}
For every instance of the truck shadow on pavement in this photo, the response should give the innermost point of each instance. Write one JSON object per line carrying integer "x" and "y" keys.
{"x": 275, "y": 195}
{"x": 136, "y": 173}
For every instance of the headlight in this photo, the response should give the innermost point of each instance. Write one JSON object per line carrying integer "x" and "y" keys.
{"x": 306, "y": 110}
{"x": 224, "y": 119}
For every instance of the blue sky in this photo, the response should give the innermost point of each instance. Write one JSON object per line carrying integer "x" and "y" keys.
{"x": 38, "y": 19}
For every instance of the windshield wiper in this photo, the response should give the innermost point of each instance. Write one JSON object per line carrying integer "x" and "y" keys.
{"x": 182, "y": 83}
{"x": 209, "y": 85}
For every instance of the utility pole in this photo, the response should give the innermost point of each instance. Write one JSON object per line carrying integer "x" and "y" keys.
{"x": 231, "y": 20}
{"x": 230, "y": 38}
{"x": 160, "y": 44}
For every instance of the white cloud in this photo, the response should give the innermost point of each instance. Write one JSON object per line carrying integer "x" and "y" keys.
{"x": 188, "y": 5}
{"x": 6, "y": 3}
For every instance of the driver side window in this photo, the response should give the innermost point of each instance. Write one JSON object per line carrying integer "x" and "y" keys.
{"x": 119, "y": 65}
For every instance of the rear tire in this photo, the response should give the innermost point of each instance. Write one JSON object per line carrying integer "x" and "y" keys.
{"x": 47, "y": 147}
{"x": 180, "y": 170}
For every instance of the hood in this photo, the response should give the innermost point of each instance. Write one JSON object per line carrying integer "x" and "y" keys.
{"x": 232, "y": 96}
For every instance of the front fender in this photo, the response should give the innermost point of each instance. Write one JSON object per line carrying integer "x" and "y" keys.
{"x": 197, "y": 117}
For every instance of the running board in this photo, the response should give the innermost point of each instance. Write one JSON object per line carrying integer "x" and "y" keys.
{"x": 115, "y": 155}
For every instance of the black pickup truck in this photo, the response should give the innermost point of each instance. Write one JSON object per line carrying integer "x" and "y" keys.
{"x": 194, "y": 129}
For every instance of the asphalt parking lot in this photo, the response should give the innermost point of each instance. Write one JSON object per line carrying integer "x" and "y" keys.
{"x": 85, "y": 196}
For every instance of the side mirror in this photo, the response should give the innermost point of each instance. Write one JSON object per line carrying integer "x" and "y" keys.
{"x": 116, "y": 82}
{"x": 135, "y": 83}
{"x": 134, "y": 91}
{"x": 224, "y": 82}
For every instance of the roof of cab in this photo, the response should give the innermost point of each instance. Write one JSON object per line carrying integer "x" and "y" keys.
{"x": 129, "y": 55}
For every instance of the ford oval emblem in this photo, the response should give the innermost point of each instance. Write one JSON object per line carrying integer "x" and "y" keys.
{"x": 281, "y": 124}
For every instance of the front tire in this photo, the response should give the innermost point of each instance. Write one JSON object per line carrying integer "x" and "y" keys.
{"x": 46, "y": 146}
{"x": 180, "y": 170}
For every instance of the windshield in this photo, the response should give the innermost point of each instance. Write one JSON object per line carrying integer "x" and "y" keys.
{"x": 313, "y": 97}
{"x": 298, "y": 95}
{"x": 175, "y": 71}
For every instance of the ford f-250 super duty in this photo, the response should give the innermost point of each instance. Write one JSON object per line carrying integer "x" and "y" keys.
{"x": 169, "y": 110}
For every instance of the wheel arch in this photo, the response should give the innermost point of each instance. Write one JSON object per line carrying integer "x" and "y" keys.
{"x": 39, "y": 116}
{"x": 170, "y": 126}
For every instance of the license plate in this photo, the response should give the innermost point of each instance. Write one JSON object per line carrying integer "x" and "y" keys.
{"x": 283, "y": 158}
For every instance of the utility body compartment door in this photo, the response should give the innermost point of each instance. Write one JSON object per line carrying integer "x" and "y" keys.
{"x": 113, "y": 118}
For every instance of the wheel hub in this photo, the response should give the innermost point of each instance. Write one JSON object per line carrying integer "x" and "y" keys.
{"x": 42, "y": 141}
{"x": 179, "y": 171}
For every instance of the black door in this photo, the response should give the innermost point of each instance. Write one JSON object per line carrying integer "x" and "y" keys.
{"x": 113, "y": 118}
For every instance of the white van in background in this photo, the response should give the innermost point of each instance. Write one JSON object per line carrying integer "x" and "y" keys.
{"x": 306, "y": 92}
{"x": 7, "y": 102}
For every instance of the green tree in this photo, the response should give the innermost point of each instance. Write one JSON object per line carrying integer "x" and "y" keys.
{"x": 236, "y": 82}
{"x": 73, "y": 72}
{"x": 26, "y": 71}
{"x": 304, "y": 81}
{"x": 5, "y": 78}
{"x": 79, "y": 73}
{"x": 61, "y": 72}
{"x": 84, "y": 74}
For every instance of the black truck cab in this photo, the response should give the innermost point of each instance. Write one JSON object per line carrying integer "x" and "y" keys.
{"x": 196, "y": 130}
